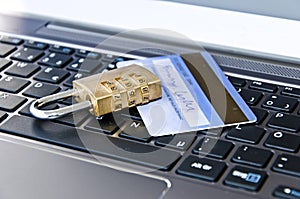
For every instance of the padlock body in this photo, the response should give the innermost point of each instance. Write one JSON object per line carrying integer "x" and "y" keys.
{"x": 117, "y": 89}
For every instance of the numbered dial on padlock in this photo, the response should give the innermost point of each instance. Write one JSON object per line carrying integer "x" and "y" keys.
{"x": 105, "y": 92}
{"x": 117, "y": 89}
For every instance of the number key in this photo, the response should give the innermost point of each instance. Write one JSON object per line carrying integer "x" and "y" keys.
{"x": 85, "y": 65}
{"x": 55, "y": 60}
{"x": 250, "y": 97}
{"x": 280, "y": 103}
{"x": 27, "y": 55}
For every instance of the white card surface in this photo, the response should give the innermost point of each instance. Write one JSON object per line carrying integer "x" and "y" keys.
{"x": 196, "y": 96}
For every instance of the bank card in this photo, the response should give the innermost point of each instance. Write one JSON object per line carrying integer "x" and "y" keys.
{"x": 196, "y": 96}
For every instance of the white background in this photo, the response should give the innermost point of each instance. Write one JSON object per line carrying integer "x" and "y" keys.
{"x": 238, "y": 30}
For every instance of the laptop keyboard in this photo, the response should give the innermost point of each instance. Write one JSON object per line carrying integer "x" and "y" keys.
{"x": 244, "y": 156}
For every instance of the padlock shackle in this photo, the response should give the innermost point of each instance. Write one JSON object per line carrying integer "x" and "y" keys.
{"x": 56, "y": 113}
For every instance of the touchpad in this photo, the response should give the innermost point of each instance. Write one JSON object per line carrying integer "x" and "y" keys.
{"x": 33, "y": 173}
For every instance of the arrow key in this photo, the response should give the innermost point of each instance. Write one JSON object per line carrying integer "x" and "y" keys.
{"x": 52, "y": 75}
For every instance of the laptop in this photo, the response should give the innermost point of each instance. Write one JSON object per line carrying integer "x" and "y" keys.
{"x": 45, "y": 45}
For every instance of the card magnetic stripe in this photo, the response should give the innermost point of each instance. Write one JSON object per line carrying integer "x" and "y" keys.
{"x": 214, "y": 90}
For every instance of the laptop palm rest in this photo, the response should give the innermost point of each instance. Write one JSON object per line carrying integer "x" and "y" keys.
{"x": 31, "y": 173}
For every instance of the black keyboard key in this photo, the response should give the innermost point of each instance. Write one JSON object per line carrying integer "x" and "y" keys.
{"x": 55, "y": 60}
{"x": 283, "y": 141}
{"x": 66, "y": 136}
{"x": 22, "y": 69}
{"x": 85, "y": 65}
{"x": 105, "y": 124}
{"x": 40, "y": 89}
{"x": 68, "y": 101}
{"x": 11, "y": 40}
{"x": 247, "y": 134}
{"x": 246, "y": 178}
{"x": 280, "y": 103}
{"x": 27, "y": 55}
{"x": 257, "y": 85}
{"x": 4, "y": 63}
{"x": 13, "y": 84}
{"x": 61, "y": 49}
{"x": 109, "y": 57}
{"x": 179, "y": 141}
{"x": 52, "y": 75}
{"x": 136, "y": 130}
{"x": 113, "y": 64}
{"x": 73, "y": 119}
{"x": 36, "y": 45}
{"x": 294, "y": 92}
{"x": 260, "y": 115}
{"x": 87, "y": 54}
{"x": 285, "y": 122}
{"x": 75, "y": 76}
{"x": 3, "y": 115}
{"x": 202, "y": 168}
{"x": 132, "y": 113}
{"x": 26, "y": 111}
{"x": 287, "y": 164}
{"x": 10, "y": 102}
{"x": 213, "y": 147}
{"x": 286, "y": 192}
{"x": 252, "y": 156}
{"x": 251, "y": 97}
{"x": 237, "y": 81}
{"x": 6, "y": 49}
{"x": 215, "y": 132}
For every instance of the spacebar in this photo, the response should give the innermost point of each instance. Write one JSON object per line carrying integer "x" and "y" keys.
{"x": 146, "y": 155}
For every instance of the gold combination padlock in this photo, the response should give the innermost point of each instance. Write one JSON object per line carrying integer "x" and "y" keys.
{"x": 105, "y": 92}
